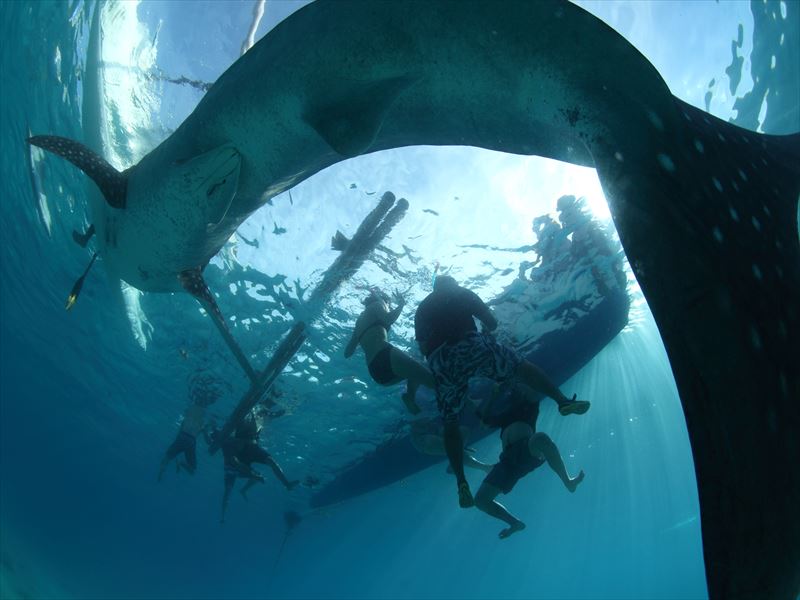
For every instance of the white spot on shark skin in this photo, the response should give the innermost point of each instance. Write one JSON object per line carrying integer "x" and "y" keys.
{"x": 756, "y": 223}
{"x": 784, "y": 385}
{"x": 734, "y": 185}
{"x": 721, "y": 137}
{"x": 666, "y": 162}
{"x": 766, "y": 210}
{"x": 779, "y": 271}
{"x": 772, "y": 62}
{"x": 699, "y": 146}
{"x": 57, "y": 63}
{"x": 655, "y": 120}
{"x": 717, "y": 184}
{"x": 782, "y": 330}
{"x": 619, "y": 157}
{"x": 757, "y": 272}
{"x": 687, "y": 117}
{"x": 755, "y": 339}
{"x": 734, "y": 213}
{"x": 742, "y": 174}
{"x": 717, "y": 234}
{"x": 783, "y": 12}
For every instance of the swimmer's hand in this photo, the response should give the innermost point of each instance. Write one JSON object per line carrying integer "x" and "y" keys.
{"x": 398, "y": 298}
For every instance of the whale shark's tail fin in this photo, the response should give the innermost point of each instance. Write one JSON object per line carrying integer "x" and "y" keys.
{"x": 112, "y": 183}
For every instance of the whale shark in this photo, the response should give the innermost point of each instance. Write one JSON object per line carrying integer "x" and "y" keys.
{"x": 706, "y": 211}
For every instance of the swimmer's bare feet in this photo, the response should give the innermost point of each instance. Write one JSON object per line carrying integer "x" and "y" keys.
{"x": 573, "y": 483}
{"x": 411, "y": 405}
{"x": 518, "y": 526}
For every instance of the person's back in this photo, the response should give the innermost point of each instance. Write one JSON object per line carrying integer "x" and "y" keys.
{"x": 446, "y": 315}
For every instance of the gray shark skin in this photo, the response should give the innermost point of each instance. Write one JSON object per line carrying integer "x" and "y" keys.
{"x": 707, "y": 212}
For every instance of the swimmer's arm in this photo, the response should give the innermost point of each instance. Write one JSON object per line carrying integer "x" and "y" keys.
{"x": 351, "y": 345}
{"x": 392, "y": 316}
{"x": 358, "y": 330}
{"x": 483, "y": 313}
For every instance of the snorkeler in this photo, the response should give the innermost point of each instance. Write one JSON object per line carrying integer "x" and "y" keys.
{"x": 456, "y": 351}
{"x": 204, "y": 394}
{"x": 241, "y": 450}
{"x": 524, "y": 450}
{"x": 387, "y": 365}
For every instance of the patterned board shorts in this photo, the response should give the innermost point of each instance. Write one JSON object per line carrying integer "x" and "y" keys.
{"x": 477, "y": 355}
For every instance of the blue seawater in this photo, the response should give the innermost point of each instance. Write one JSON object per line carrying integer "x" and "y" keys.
{"x": 90, "y": 399}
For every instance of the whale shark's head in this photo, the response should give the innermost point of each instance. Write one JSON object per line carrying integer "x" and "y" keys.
{"x": 175, "y": 216}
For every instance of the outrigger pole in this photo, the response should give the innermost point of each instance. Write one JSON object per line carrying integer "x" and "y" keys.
{"x": 285, "y": 352}
{"x": 369, "y": 234}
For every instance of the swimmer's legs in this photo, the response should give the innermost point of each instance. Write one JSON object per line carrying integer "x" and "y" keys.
{"x": 289, "y": 485}
{"x": 541, "y": 445}
{"x": 414, "y": 372}
{"x": 534, "y": 377}
{"x": 250, "y": 483}
{"x": 454, "y": 447}
{"x": 230, "y": 479}
{"x": 485, "y": 501}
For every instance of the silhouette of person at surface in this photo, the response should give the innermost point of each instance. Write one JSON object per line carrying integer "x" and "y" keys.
{"x": 204, "y": 391}
{"x": 241, "y": 450}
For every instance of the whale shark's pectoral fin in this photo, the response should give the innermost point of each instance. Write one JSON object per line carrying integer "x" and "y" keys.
{"x": 193, "y": 282}
{"x": 112, "y": 183}
{"x": 350, "y": 121}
